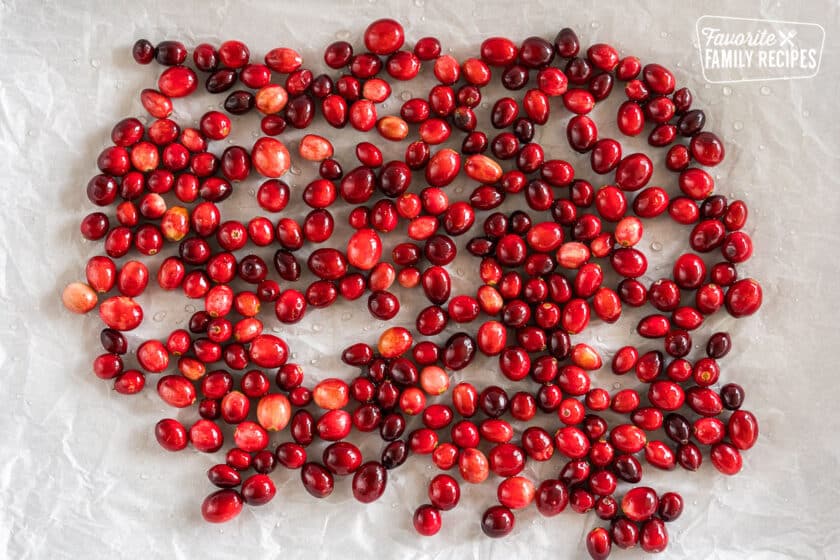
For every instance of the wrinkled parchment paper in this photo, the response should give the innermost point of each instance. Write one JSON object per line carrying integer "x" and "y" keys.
{"x": 81, "y": 475}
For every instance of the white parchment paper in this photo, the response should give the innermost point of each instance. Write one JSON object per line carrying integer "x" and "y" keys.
{"x": 81, "y": 475}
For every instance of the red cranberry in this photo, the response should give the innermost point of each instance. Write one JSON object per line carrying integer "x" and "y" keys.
{"x": 222, "y": 506}
{"x": 654, "y": 536}
{"x": 743, "y": 298}
{"x": 427, "y": 520}
{"x": 497, "y": 521}
{"x": 317, "y": 480}
{"x": 599, "y": 543}
{"x": 625, "y": 533}
{"x": 258, "y": 489}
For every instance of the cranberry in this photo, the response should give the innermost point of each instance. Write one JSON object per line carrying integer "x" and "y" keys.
{"x": 670, "y": 506}
{"x": 177, "y": 81}
{"x": 171, "y": 434}
{"x": 742, "y": 429}
{"x": 572, "y": 442}
{"x": 291, "y": 455}
{"x": 640, "y": 503}
{"x": 143, "y": 51}
{"x": 258, "y": 489}
{"x": 625, "y": 533}
{"x": 206, "y": 436}
{"x": 222, "y": 506}
{"x": 599, "y": 543}
{"x": 654, "y": 536}
{"x": 443, "y": 167}
{"x": 423, "y": 441}
{"x": 317, "y": 480}
{"x": 497, "y": 521}
{"x": 732, "y": 396}
{"x": 427, "y": 520}
{"x": 743, "y": 298}
{"x": 369, "y": 482}
{"x": 628, "y": 468}
{"x": 384, "y": 36}
{"x": 690, "y": 271}
{"x": 270, "y": 157}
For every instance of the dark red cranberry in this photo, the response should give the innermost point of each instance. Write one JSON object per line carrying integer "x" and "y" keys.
{"x": 497, "y": 521}
{"x": 143, "y": 51}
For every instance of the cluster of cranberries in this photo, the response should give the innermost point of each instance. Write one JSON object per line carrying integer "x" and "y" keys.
{"x": 542, "y": 277}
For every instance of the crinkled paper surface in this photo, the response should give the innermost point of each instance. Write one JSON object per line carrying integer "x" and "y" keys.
{"x": 81, "y": 475}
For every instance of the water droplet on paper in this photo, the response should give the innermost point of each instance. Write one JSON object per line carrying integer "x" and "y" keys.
{"x": 159, "y": 316}
{"x": 395, "y": 505}
{"x": 252, "y": 192}
{"x": 764, "y": 90}
{"x": 346, "y": 316}
{"x": 762, "y": 147}
{"x": 405, "y": 96}
{"x": 738, "y": 125}
{"x": 419, "y": 3}
{"x": 459, "y": 190}
{"x": 459, "y": 271}
{"x": 342, "y": 34}
{"x": 656, "y": 246}
{"x": 664, "y": 34}
{"x": 317, "y": 328}
{"x": 595, "y": 24}
{"x": 294, "y": 355}
{"x": 313, "y": 361}
{"x": 189, "y": 308}
{"x": 294, "y": 170}
{"x": 806, "y": 113}
{"x": 727, "y": 90}
{"x": 616, "y": 385}
{"x": 144, "y": 476}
